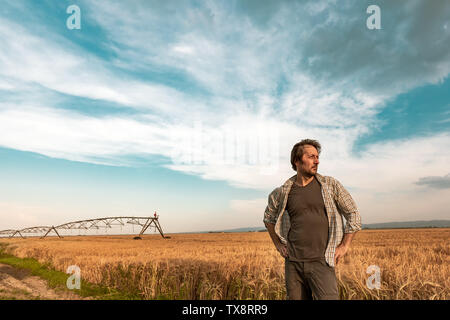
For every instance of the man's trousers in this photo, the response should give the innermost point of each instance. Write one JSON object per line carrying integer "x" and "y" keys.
{"x": 310, "y": 280}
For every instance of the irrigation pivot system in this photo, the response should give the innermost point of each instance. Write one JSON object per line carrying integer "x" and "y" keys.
{"x": 90, "y": 224}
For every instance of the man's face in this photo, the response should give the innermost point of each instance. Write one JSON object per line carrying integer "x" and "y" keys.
{"x": 310, "y": 161}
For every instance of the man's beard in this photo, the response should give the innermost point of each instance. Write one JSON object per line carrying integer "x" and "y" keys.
{"x": 309, "y": 173}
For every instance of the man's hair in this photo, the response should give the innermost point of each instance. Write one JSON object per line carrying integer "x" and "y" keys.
{"x": 298, "y": 149}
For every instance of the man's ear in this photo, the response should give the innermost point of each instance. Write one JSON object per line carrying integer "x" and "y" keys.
{"x": 298, "y": 163}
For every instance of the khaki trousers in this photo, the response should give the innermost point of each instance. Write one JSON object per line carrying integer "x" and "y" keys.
{"x": 310, "y": 280}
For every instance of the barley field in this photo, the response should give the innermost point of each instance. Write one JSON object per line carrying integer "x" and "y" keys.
{"x": 414, "y": 264}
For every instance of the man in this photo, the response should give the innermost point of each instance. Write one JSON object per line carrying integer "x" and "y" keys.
{"x": 304, "y": 220}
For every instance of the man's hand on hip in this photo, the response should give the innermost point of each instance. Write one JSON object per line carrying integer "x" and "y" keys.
{"x": 341, "y": 250}
{"x": 282, "y": 249}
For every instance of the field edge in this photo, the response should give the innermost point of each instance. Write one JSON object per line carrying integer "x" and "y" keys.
{"x": 57, "y": 280}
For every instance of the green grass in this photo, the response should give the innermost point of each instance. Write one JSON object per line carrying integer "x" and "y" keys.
{"x": 57, "y": 280}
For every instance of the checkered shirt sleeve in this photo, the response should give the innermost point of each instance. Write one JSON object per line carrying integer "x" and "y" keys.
{"x": 270, "y": 214}
{"x": 347, "y": 207}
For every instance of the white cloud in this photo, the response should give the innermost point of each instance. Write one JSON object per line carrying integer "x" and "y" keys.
{"x": 60, "y": 66}
{"x": 184, "y": 49}
{"x": 69, "y": 135}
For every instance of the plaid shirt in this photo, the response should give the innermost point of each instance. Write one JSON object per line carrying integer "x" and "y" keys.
{"x": 338, "y": 203}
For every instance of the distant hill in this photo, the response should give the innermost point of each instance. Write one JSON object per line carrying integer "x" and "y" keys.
{"x": 409, "y": 224}
{"x": 385, "y": 225}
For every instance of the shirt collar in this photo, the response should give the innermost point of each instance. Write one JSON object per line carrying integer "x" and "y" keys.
{"x": 289, "y": 182}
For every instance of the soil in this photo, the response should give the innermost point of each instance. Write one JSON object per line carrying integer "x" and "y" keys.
{"x": 19, "y": 284}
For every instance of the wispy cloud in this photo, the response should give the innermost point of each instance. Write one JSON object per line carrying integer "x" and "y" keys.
{"x": 435, "y": 182}
{"x": 60, "y": 66}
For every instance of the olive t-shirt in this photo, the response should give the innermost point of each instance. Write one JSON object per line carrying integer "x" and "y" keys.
{"x": 308, "y": 235}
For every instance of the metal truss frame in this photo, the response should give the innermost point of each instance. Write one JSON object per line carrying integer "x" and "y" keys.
{"x": 89, "y": 224}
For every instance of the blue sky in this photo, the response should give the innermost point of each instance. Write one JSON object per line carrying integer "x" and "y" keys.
{"x": 191, "y": 108}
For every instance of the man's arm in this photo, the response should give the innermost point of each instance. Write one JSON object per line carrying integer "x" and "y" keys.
{"x": 270, "y": 218}
{"x": 342, "y": 249}
{"x": 348, "y": 237}
{"x": 347, "y": 207}
{"x": 282, "y": 248}
{"x": 270, "y": 214}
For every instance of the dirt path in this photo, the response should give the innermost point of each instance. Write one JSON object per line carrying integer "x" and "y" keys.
{"x": 21, "y": 285}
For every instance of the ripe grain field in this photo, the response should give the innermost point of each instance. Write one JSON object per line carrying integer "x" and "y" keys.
{"x": 414, "y": 264}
